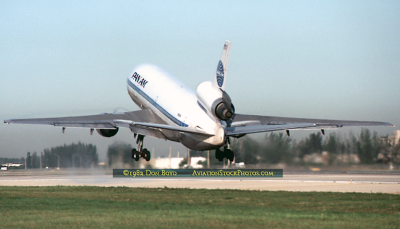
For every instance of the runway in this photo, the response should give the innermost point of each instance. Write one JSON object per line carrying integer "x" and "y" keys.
{"x": 307, "y": 182}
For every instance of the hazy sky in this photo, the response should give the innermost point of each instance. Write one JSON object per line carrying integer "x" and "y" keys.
{"x": 315, "y": 59}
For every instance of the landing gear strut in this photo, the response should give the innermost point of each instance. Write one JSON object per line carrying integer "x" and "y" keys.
{"x": 140, "y": 152}
{"x": 226, "y": 153}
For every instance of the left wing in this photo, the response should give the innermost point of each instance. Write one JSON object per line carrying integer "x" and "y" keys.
{"x": 101, "y": 121}
{"x": 246, "y": 124}
{"x": 143, "y": 122}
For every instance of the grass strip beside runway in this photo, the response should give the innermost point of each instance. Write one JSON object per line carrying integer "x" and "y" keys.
{"x": 120, "y": 207}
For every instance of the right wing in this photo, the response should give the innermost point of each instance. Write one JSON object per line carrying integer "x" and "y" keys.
{"x": 247, "y": 124}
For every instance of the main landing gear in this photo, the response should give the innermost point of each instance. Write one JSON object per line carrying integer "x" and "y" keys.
{"x": 140, "y": 152}
{"x": 226, "y": 153}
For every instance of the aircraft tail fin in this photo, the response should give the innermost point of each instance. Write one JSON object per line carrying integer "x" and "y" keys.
{"x": 220, "y": 76}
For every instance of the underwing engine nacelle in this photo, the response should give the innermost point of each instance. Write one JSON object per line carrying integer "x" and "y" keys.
{"x": 216, "y": 101}
{"x": 107, "y": 132}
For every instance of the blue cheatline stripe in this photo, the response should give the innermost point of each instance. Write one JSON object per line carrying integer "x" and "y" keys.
{"x": 201, "y": 106}
{"x": 156, "y": 105}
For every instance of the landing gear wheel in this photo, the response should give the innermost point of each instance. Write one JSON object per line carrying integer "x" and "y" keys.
{"x": 135, "y": 154}
{"x": 146, "y": 154}
{"x": 229, "y": 154}
{"x": 219, "y": 155}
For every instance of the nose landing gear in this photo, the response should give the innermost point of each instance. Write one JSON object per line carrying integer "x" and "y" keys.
{"x": 140, "y": 152}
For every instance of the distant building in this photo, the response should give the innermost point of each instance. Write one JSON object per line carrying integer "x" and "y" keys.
{"x": 173, "y": 162}
{"x": 194, "y": 162}
{"x": 396, "y": 137}
{"x": 6, "y": 166}
{"x": 392, "y": 139}
{"x": 167, "y": 163}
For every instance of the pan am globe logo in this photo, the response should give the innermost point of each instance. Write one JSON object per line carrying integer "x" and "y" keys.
{"x": 220, "y": 74}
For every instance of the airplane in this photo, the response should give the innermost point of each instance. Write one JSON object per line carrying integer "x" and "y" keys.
{"x": 201, "y": 120}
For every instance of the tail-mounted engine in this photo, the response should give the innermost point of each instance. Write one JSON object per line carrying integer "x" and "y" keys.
{"x": 107, "y": 132}
{"x": 216, "y": 101}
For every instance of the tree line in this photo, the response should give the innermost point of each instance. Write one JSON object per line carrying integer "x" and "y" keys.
{"x": 278, "y": 147}
{"x": 119, "y": 154}
{"x": 73, "y": 155}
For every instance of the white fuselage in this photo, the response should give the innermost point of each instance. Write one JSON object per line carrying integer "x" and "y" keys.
{"x": 151, "y": 87}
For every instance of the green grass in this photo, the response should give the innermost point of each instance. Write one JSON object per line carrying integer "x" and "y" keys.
{"x": 118, "y": 207}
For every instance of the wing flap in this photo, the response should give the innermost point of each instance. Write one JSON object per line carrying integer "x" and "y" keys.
{"x": 161, "y": 126}
{"x": 241, "y": 130}
{"x": 94, "y": 124}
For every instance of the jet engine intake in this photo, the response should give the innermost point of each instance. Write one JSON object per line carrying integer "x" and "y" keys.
{"x": 216, "y": 101}
{"x": 222, "y": 111}
{"x": 107, "y": 132}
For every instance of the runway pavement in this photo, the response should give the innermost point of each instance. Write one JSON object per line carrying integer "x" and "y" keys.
{"x": 318, "y": 182}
